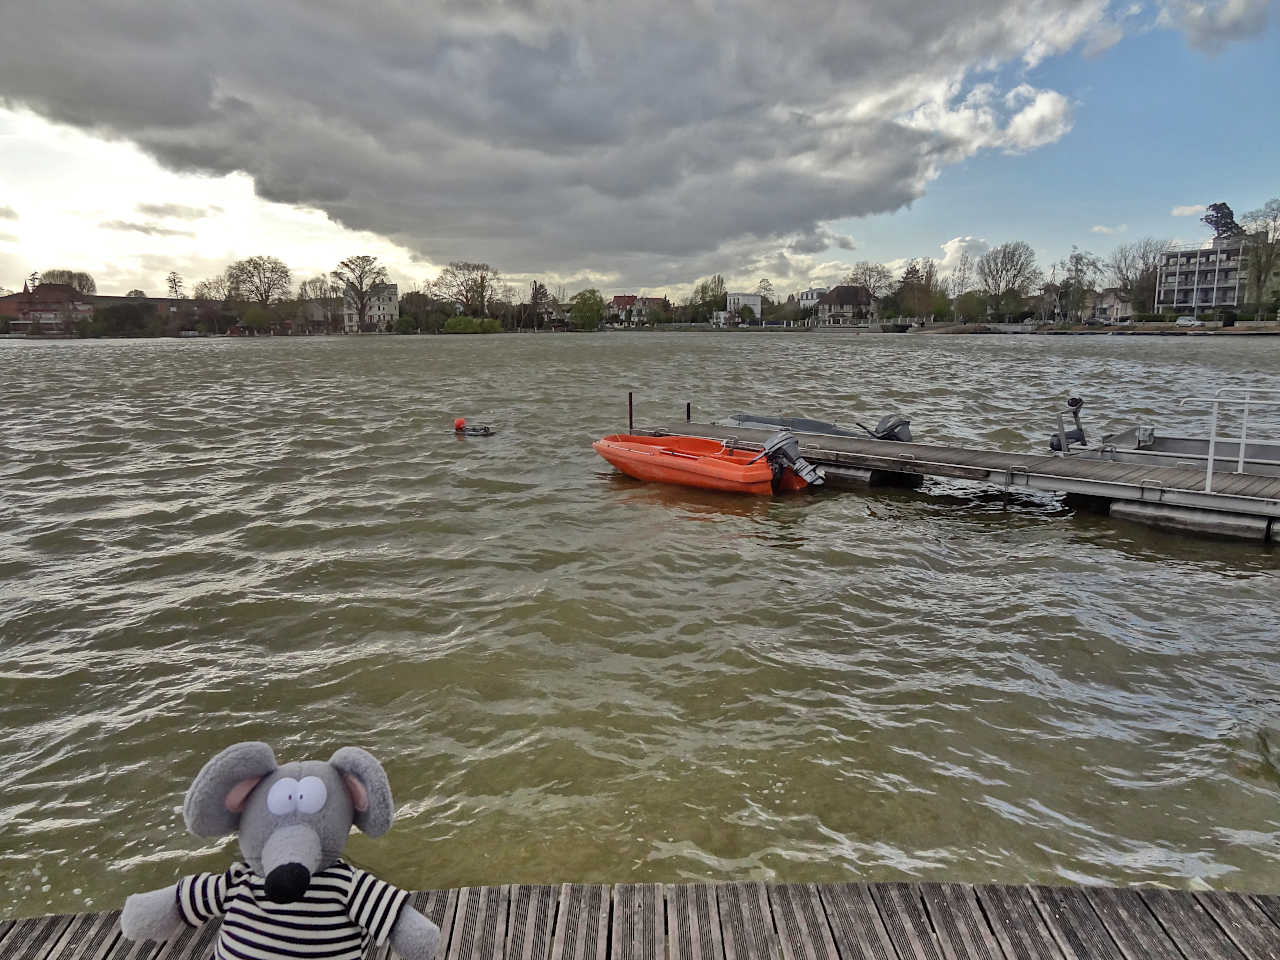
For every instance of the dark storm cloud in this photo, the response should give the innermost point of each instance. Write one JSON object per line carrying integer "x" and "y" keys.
{"x": 624, "y": 138}
{"x": 151, "y": 229}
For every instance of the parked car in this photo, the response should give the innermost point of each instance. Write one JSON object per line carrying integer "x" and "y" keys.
{"x": 1188, "y": 322}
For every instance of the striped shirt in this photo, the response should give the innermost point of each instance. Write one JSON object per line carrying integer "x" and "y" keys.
{"x": 343, "y": 911}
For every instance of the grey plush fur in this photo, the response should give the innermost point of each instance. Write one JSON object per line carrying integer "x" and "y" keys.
{"x": 229, "y": 795}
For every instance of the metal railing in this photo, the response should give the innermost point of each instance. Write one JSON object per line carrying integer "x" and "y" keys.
{"x": 1231, "y": 396}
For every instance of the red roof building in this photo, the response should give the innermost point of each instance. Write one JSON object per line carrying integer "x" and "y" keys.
{"x": 52, "y": 309}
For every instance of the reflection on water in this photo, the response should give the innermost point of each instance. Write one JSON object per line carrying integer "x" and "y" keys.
{"x": 574, "y": 676}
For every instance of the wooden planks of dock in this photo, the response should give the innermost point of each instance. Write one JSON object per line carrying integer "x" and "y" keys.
{"x": 1252, "y": 498}
{"x": 757, "y": 921}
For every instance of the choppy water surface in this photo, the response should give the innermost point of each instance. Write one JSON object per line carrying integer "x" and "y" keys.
{"x": 573, "y": 676}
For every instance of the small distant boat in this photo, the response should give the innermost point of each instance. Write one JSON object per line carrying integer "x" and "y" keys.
{"x": 710, "y": 464}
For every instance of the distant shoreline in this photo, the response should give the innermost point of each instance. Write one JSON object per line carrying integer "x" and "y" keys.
{"x": 1253, "y": 329}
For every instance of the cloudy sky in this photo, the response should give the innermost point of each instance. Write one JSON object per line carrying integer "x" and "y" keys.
{"x": 634, "y": 145}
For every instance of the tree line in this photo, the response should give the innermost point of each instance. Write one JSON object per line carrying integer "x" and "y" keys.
{"x": 257, "y": 294}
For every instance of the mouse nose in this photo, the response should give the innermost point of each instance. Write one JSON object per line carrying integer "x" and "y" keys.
{"x": 287, "y": 883}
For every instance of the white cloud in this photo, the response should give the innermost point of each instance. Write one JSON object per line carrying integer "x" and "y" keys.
{"x": 1190, "y": 210}
{"x": 956, "y": 247}
{"x": 1119, "y": 228}
{"x": 1048, "y": 117}
{"x": 1212, "y": 25}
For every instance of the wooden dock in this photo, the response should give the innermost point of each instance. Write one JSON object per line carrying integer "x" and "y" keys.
{"x": 1241, "y": 505}
{"x": 755, "y": 921}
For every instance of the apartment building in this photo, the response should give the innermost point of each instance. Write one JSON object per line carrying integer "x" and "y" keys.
{"x": 1201, "y": 278}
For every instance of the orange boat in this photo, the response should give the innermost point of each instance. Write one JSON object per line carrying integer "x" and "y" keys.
{"x": 695, "y": 462}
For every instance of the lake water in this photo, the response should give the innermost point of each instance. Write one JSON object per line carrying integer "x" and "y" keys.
{"x": 573, "y": 676}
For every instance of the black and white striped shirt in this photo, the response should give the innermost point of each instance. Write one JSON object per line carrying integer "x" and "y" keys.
{"x": 344, "y": 910}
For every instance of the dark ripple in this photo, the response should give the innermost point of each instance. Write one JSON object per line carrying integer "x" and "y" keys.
{"x": 573, "y": 676}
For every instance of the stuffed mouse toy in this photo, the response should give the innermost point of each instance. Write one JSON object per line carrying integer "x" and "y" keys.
{"x": 292, "y": 896}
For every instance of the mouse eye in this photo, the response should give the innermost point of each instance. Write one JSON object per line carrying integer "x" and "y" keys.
{"x": 311, "y": 795}
{"x": 282, "y": 799}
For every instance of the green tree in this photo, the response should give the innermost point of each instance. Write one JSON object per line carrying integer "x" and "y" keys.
{"x": 1223, "y": 220}
{"x": 971, "y": 306}
{"x": 124, "y": 320}
{"x": 429, "y": 314}
{"x": 588, "y": 309}
{"x": 257, "y": 318}
{"x": 746, "y": 314}
{"x": 175, "y": 285}
{"x": 473, "y": 325}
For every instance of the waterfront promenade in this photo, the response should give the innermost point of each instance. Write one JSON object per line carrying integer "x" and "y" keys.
{"x": 755, "y": 921}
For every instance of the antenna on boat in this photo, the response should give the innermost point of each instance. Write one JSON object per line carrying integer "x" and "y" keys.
{"x": 631, "y": 423}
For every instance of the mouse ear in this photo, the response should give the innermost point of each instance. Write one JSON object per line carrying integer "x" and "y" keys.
{"x": 217, "y": 796}
{"x": 370, "y": 791}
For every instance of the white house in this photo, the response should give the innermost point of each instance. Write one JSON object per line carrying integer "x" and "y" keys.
{"x": 808, "y": 299}
{"x": 1113, "y": 305}
{"x": 383, "y": 309}
{"x": 736, "y": 301}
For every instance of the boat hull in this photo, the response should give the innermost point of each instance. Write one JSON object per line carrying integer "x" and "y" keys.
{"x": 689, "y": 462}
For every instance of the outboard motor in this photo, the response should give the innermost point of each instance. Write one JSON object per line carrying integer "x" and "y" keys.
{"x": 1061, "y": 441}
{"x": 891, "y": 427}
{"x": 783, "y": 450}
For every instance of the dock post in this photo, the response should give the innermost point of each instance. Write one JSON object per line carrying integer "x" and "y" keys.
{"x": 688, "y": 413}
{"x": 631, "y": 423}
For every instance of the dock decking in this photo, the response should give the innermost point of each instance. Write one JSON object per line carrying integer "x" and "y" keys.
{"x": 1249, "y": 503}
{"x": 756, "y": 921}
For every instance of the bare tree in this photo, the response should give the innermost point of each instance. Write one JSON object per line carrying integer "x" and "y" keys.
{"x": 1134, "y": 267}
{"x": 876, "y": 277}
{"x": 264, "y": 280}
{"x": 320, "y": 295}
{"x": 215, "y": 289}
{"x": 1080, "y": 274}
{"x": 472, "y": 286}
{"x": 1008, "y": 271}
{"x": 360, "y": 277}
{"x": 175, "y": 285}
{"x": 962, "y": 274}
{"x": 1263, "y": 227}
{"x": 78, "y": 279}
